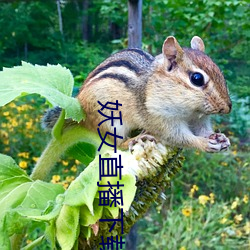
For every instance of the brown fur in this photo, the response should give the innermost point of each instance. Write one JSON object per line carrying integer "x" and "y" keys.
{"x": 157, "y": 96}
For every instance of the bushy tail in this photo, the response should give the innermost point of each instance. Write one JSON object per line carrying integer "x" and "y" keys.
{"x": 50, "y": 118}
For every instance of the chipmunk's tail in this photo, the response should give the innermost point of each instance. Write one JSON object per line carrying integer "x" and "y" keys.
{"x": 50, "y": 117}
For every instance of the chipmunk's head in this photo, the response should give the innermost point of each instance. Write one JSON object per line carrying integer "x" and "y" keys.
{"x": 198, "y": 77}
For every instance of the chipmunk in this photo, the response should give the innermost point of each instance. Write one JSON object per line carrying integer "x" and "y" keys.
{"x": 170, "y": 96}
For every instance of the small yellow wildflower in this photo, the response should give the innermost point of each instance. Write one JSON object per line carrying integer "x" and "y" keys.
{"x": 223, "y": 220}
{"x": 223, "y": 235}
{"x": 28, "y": 241}
{"x": 238, "y": 218}
{"x": 29, "y": 124}
{"x": 187, "y": 211}
{"x": 35, "y": 159}
{"x": 247, "y": 227}
{"x": 65, "y": 163}
{"x": 6, "y": 141}
{"x": 203, "y": 199}
{"x": 234, "y": 152}
{"x": 245, "y": 199}
{"x": 65, "y": 185}
{"x": 23, "y": 164}
{"x": 24, "y": 154}
{"x": 197, "y": 152}
{"x": 14, "y": 123}
{"x": 73, "y": 168}
{"x": 224, "y": 164}
{"x": 238, "y": 233}
{"x": 238, "y": 160}
{"x": 6, "y": 113}
{"x": 211, "y": 195}
{"x": 197, "y": 242}
{"x": 183, "y": 248}
{"x": 235, "y": 203}
{"x": 193, "y": 190}
{"x": 6, "y": 149}
{"x": 12, "y": 105}
{"x": 4, "y": 134}
{"x": 70, "y": 178}
{"x": 77, "y": 162}
{"x": 55, "y": 178}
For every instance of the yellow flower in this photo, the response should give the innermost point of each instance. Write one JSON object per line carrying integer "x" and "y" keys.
{"x": 28, "y": 241}
{"x": 4, "y": 134}
{"x": 24, "y": 154}
{"x": 234, "y": 152}
{"x": 247, "y": 227}
{"x": 183, "y": 248}
{"x": 223, "y": 235}
{"x": 238, "y": 233}
{"x": 223, "y": 220}
{"x": 14, "y": 123}
{"x": 203, "y": 199}
{"x": 55, "y": 178}
{"x": 238, "y": 218}
{"x": 70, "y": 178}
{"x": 6, "y": 113}
{"x": 245, "y": 199}
{"x": 211, "y": 195}
{"x": 65, "y": 185}
{"x": 224, "y": 164}
{"x": 29, "y": 124}
{"x": 35, "y": 159}
{"x": 197, "y": 242}
{"x": 65, "y": 163}
{"x": 77, "y": 162}
{"x": 12, "y": 105}
{"x": 73, "y": 168}
{"x": 23, "y": 164}
{"x": 193, "y": 190}
{"x": 187, "y": 211}
{"x": 235, "y": 203}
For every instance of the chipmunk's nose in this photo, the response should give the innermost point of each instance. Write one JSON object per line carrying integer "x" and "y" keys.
{"x": 227, "y": 108}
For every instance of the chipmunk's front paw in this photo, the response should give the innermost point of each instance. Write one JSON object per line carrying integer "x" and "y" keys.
{"x": 141, "y": 139}
{"x": 218, "y": 142}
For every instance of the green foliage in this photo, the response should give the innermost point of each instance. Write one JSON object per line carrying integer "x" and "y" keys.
{"x": 52, "y": 82}
{"x": 30, "y": 32}
{"x": 201, "y": 223}
{"x": 19, "y": 198}
{"x": 207, "y": 206}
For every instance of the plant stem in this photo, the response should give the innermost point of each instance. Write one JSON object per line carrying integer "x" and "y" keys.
{"x": 57, "y": 147}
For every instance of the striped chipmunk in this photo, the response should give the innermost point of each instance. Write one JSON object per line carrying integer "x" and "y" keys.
{"x": 168, "y": 97}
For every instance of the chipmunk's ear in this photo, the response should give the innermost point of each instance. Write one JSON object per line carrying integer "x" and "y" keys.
{"x": 171, "y": 49}
{"x": 197, "y": 43}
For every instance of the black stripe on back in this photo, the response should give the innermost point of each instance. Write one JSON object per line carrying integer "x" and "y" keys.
{"x": 142, "y": 53}
{"x": 118, "y": 63}
{"x": 118, "y": 77}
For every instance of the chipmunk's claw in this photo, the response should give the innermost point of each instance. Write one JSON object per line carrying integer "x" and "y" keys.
{"x": 218, "y": 142}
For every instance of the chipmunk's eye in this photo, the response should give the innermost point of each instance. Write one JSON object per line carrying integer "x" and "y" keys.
{"x": 197, "y": 79}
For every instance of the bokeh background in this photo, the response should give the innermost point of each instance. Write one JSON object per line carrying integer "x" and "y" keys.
{"x": 207, "y": 206}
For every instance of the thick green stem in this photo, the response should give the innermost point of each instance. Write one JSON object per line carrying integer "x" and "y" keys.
{"x": 57, "y": 147}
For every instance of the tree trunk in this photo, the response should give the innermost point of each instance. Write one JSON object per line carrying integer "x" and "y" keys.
{"x": 59, "y": 16}
{"x": 135, "y": 23}
{"x": 85, "y": 20}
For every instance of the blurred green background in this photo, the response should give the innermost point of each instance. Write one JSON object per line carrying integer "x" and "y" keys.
{"x": 207, "y": 206}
